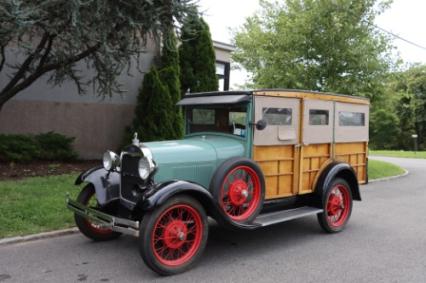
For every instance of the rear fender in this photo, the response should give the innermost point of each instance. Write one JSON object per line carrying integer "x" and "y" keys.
{"x": 338, "y": 170}
{"x": 106, "y": 183}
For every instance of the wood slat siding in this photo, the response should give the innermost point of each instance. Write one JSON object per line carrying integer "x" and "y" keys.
{"x": 354, "y": 153}
{"x": 277, "y": 163}
{"x": 314, "y": 157}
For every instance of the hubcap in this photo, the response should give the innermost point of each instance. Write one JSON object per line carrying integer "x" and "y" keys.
{"x": 175, "y": 234}
{"x": 238, "y": 192}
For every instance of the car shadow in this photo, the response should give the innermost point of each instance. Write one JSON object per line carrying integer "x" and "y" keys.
{"x": 224, "y": 246}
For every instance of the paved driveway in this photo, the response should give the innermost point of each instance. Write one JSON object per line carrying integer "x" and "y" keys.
{"x": 385, "y": 241}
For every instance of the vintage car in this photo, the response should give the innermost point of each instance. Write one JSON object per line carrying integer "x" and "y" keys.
{"x": 248, "y": 160}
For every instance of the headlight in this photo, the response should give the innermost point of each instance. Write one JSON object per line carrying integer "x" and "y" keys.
{"x": 144, "y": 168}
{"x": 146, "y": 165}
{"x": 110, "y": 160}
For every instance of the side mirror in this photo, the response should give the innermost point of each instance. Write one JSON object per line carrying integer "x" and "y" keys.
{"x": 261, "y": 124}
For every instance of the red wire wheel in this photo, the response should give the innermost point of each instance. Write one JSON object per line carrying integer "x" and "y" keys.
{"x": 177, "y": 235}
{"x": 174, "y": 235}
{"x": 337, "y": 206}
{"x": 240, "y": 194}
{"x": 89, "y": 228}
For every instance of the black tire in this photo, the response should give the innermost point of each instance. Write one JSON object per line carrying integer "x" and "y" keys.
{"x": 218, "y": 181}
{"x": 151, "y": 230}
{"x": 85, "y": 226}
{"x": 327, "y": 224}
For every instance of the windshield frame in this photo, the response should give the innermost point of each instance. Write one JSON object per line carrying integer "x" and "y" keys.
{"x": 245, "y": 105}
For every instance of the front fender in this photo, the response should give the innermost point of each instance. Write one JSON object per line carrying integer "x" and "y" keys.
{"x": 338, "y": 170}
{"x": 166, "y": 190}
{"x": 106, "y": 183}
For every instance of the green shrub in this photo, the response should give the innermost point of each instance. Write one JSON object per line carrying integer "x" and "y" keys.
{"x": 54, "y": 146}
{"x": 20, "y": 148}
{"x": 46, "y": 146}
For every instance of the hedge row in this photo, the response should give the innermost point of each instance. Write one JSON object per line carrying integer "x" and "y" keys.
{"x": 46, "y": 146}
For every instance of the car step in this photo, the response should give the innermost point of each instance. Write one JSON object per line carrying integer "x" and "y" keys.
{"x": 285, "y": 215}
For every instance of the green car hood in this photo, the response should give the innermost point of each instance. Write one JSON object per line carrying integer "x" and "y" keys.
{"x": 194, "y": 158}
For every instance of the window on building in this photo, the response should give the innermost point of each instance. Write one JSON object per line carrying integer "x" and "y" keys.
{"x": 222, "y": 72}
{"x": 277, "y": 116}
{"x": 318, "y": 117}
{"x": 347, "y": 118}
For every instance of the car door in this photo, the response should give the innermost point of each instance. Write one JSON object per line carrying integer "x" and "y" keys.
{"x": 276, "y": 148}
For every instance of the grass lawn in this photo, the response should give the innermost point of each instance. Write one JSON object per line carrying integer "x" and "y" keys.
{"x": 399, "y": 153}
{"x": 380, "y": 169}
{"x": 35, "y": 204}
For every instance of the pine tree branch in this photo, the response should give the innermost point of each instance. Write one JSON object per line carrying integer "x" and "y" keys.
{"x": 25, "y": 66}
{"x": 3, "y": 57}
{"x": 6, "y": 95}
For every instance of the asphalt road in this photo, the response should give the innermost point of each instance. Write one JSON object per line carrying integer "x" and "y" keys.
{"x": 385, "y": 241}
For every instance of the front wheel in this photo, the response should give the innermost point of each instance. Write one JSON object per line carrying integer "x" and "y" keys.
{"x": 88, "y": 228}
{"x": 337, "y": 203}
{"x": 173, "y": 236}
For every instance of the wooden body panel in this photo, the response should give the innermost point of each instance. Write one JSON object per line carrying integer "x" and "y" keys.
{"x": 314, "y": 158}
{"x": 355, "y": 154}
{"x": 292, "y": 169}
{"x": 278, "y": 166}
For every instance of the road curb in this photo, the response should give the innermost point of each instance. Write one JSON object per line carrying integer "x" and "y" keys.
{"x": 391, "y": 177}
{"x": 33, "y": 237}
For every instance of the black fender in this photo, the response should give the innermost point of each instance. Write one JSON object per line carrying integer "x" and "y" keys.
{"x": 338, "y": 170}
{"x": 106, "y": 183}
{"x": 164, "y": 191}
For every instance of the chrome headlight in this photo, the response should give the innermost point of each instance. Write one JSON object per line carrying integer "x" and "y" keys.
{"x": 146, "y": 165}
{"x": 110, "y": 160}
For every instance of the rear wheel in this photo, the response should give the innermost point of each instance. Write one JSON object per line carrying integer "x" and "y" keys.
{"x": 337, "y": 203}
{"x": 173, "y": 236}
{"x": 89, "y": 228}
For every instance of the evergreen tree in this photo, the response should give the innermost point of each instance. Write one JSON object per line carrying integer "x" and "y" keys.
{"x": 169, "y": 75}
{"x": 197, "y": 57}
{"x": 152, "y": 121}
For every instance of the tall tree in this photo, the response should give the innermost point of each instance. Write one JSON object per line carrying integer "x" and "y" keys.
{"x": 152, "y": 114}
{"x": 49, "y": 37}
{"x": 327, "y": 45}
{"x": 169, "y": 75}
{"x": 410, "y": 86}
{"x": 197, "y": 57}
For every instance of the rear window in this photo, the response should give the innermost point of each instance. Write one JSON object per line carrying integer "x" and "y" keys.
{"x": 277, "y": 116}
{"x": 347, "y": 118}
{"x": 203, "y": 116}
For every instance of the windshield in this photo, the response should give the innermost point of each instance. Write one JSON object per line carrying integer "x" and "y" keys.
{"x": 229, "y": 119}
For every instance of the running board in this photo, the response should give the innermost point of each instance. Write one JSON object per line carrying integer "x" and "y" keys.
{"x": 285, "y": 215}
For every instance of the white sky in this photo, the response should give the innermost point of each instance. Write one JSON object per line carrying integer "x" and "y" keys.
{"x": 405, "y": 18}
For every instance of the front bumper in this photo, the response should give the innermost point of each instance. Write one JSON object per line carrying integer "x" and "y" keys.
{"x": 117, "y": 224}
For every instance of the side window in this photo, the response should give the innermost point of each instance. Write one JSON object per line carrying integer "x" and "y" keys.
{"x": 318, "y": 117}
{"x": 347, "y": 118}
{"x": 237, "y": 118}
{"x": 203, "y": 116}
{"x": 277, "y": 116}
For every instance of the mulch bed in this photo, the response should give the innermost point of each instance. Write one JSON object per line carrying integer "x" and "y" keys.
{"x": 14, "y": 171}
